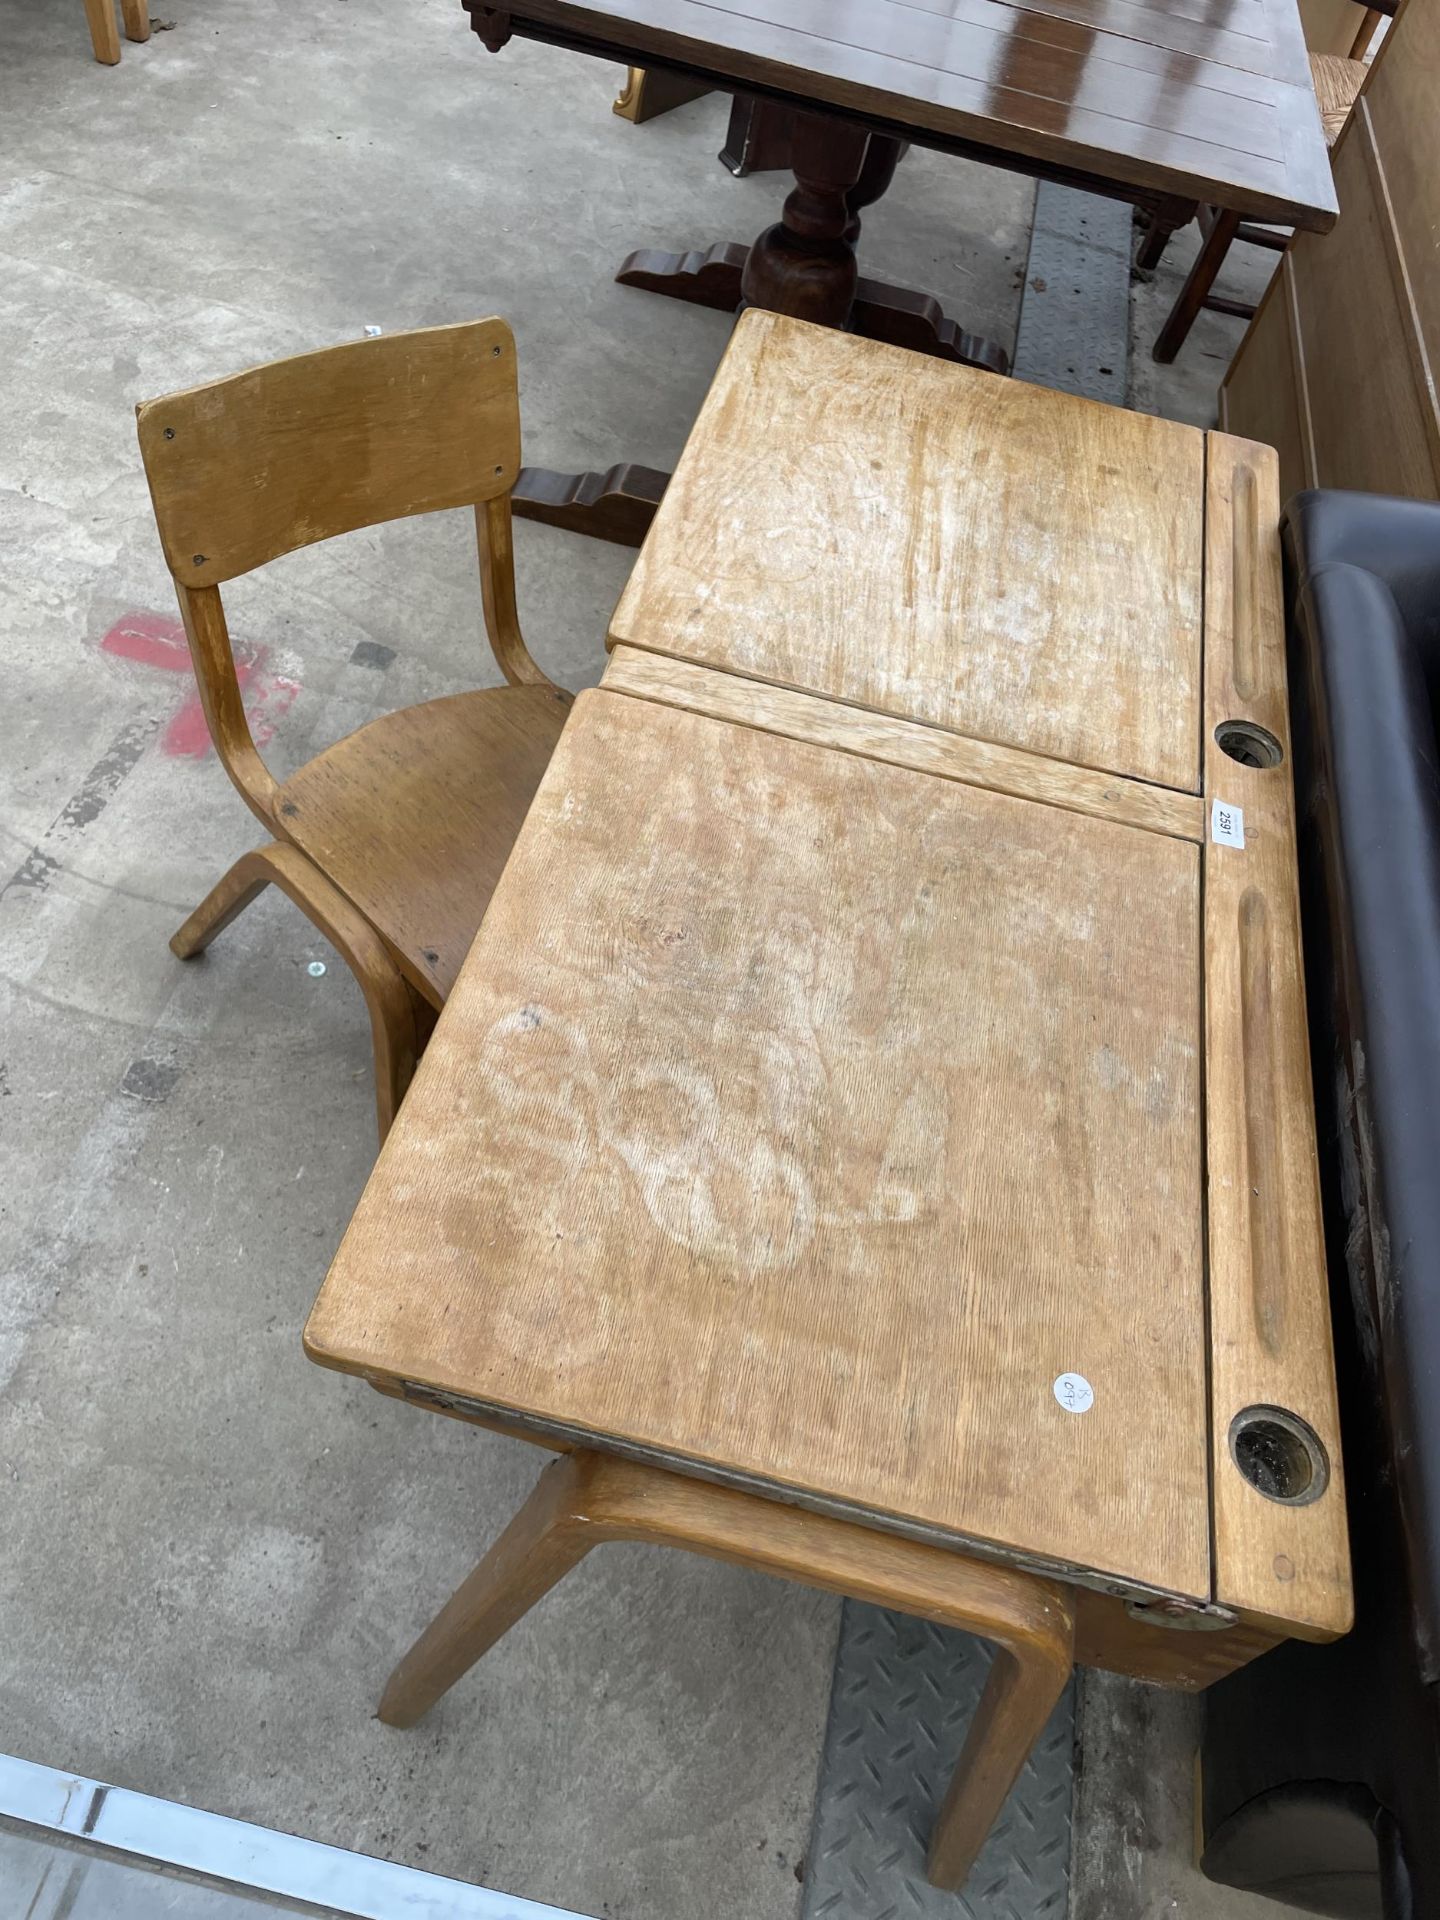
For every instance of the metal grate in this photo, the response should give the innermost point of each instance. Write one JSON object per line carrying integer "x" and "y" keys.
{"x": 905, "y": 1691}
{"x": 1074, "y": 330}
{"x": 904, "y": 1695}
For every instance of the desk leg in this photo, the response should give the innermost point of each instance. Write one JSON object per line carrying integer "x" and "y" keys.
{"x": 548, "y": 1536}
{"x": 583, "y": 1499}
{"x": 1019, "y": 1697}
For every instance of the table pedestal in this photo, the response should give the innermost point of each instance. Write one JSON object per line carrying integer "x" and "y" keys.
{"x": 804, "y": 265}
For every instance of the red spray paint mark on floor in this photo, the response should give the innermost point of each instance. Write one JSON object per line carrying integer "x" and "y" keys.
{"x": 156, "y": 641}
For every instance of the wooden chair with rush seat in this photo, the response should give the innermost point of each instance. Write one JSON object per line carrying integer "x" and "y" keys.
{"x": 392, "y": 840}
{"x": 1337, "y": 81}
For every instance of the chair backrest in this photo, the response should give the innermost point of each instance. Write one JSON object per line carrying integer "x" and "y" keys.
{"x": 255, "y": 465}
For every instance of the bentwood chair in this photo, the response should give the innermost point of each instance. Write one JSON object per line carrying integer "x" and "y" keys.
{"x": 391, "y": 840}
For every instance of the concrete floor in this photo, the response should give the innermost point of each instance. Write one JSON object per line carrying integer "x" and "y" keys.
{"x": 212, "y": 1551}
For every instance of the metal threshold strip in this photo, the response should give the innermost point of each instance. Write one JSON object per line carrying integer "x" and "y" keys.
{"x": 171, "y": 1840}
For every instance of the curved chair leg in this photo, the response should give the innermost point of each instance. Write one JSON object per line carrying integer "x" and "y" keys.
{"x": 387, "y": 995}
{"x": 582, "y": 1499}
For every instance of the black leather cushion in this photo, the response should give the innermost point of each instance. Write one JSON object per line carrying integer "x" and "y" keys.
{"x": 1396, "y": 540}
{"x": 1310, "y": 1843}
{"x": 1368, "y": 637}
{"x": 1302, "y": 1742}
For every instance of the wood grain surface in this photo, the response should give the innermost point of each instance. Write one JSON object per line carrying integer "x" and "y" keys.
{"x": 932, "y": 543}
{"x": 798, "y": 1119}
{"x": 1339, "y": 368}
{"x": 1270, "y": 1342}
{"x": 904, "y": 743}
{"x": 413, "y": 816}
{"x": 1183, "y": 98}
{"x": 248, "y": 468}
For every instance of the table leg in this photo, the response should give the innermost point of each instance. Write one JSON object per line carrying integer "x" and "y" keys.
{"x": 583, "y": 1499}
{"x": 757, "y": 140}
{"x": 804, "y": 265}
{"x": 794, "y": 253}
{"x": 1019, "y": 1697}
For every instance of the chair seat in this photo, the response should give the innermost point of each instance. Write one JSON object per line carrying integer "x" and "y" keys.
{"x": 413, "y": 817}
{"x": 1336, "y": 81}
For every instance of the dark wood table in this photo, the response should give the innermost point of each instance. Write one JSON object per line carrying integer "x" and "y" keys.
{"x": 1162, "y": 102}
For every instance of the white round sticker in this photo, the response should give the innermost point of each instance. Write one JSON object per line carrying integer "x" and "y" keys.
{"x": 1075, "y": 1393}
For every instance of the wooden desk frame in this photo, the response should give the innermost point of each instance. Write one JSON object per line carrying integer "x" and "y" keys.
{"x": 1278, "y": 1568}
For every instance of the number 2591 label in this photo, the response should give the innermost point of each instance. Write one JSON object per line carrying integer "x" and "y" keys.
{"x": 1227, "y": 824}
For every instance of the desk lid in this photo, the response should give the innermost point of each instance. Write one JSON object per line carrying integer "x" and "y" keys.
{"x": 823, "y": 1126}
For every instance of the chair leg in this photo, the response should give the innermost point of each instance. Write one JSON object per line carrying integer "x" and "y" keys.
{"x": 585, "y": 1498}
{"x": 387, "y": 994}
{"x": 136, "y": 15}
{"x": 104, "y": 34}
{"x": 1161, "y": 221}
{"x": 1198, "y": 282}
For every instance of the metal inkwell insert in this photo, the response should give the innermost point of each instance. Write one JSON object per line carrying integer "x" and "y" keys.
{"x": 1280, "y": 1455}
{"x": 1250, "y": 744}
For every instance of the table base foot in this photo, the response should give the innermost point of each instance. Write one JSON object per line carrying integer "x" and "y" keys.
{"x": 617, "y": 505}
{"x": 704, "y": 276}
{"x": 901, "y": 316}
{"x": 904, "y": 317}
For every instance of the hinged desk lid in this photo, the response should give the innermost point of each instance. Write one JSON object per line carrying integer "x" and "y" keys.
{"x": 927, "y": 541}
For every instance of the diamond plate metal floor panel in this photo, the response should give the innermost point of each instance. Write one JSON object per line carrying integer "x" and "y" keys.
{"x": 1074, "y": 330}
{"x": 904, "y": 1695}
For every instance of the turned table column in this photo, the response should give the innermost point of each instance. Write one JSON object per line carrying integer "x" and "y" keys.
{"x": 805, "y": 264}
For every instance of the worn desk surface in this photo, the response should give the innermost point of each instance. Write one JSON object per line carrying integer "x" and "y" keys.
{"x": 931, "y": 542}
{"x": 731, "y": 1141}
{"x": 1203, "y": 99}
{"x": 825, "y": 1082}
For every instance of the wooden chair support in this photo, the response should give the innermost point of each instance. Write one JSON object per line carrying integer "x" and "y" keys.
{"x": 393, "y": 838}
{"x": 104, "y": 35}
{"x": 584, "y": 1499}
{"x": 387, "y": 996}
{"x": 649, "y": 92}
{"x": 1337, "y": 82}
